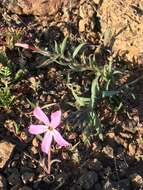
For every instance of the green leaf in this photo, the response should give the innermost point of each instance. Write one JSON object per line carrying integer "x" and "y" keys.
{"x": 117, "y": 72}
{"x": 20, "y": 73}
{"x": 107, "y": 93}
{"x": 80, "y": 101}
{"x": 31, "y": 103}
{"x": 76, "y": 51}
{"x": 17, "y": 127}
{"x": 63, "y": 45}
{"x": 119, "y": 107}
{"x": 56, "y": 48}
{"x": 94, "y": 90}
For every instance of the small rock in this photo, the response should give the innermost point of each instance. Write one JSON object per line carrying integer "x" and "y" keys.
{"x": 83, "y": 23}
{"x": 24, "y": 136}
{"x": 34, "y": 150}
{"x": 35, "y": 142}
{"x": 132, "y": 149}
{"x": 27, "y": 177}
{"x": 108, "y": 150}
{"x": 14, "y": 178}
{"x": 3, "y": 184}
{"x": 33, "y": 83}
{"x": 6, "y": 150}
{"x": 125, "y": 135}
{"x": 10, "y": 125}
{"x": 87, "y": 180}
{"x": 137, "y": 180}
{"x": 121, "y": 141}
{"x": 111, "y": 135}
{"x": 86, "y": 10}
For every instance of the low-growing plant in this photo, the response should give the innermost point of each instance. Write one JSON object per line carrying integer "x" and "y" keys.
{"x": 8, "y": 78}
{"x": 102, "y": 79}
{"x": 6, "y": 98}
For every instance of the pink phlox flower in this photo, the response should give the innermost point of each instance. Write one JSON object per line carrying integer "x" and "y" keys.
{"x": 49, "y": 128}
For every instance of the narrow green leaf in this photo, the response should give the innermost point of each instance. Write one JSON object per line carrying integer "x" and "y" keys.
{"x": 63, "y": 45}
{"x": 94, "y": 89}
{"x": 31, "y": 103}
{"x": 117, "y": 72}
{"x": 56, "y": 48}
{"x": 107, "y": 93}
{"x": 76, "y": 51}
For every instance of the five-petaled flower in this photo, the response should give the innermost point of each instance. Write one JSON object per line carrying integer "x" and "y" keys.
{"x": 49, "y": 128}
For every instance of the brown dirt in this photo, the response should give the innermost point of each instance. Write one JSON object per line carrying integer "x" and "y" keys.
{"x": 125, "y": 20}
{"x": 36, "y": 7}
{"x": 119, "y": 156}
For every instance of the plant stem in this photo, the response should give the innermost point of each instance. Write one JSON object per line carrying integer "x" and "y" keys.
{"x": 49, "y": 162}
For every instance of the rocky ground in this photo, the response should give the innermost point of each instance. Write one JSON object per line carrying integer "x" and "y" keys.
{"x": 112, "y": 27}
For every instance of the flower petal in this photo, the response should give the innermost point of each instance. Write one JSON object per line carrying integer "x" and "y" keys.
{"x": 56, "y": 118}
{"x": 41, "y": 115}
{"x": 37, "y": 129}
{"x": 59, "y": 139}
{"x": 46, "y": 142}
{"x": 26, "y": 46}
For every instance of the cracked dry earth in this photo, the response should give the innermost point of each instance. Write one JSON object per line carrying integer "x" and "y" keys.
{"x": 115, "y": 164}
{"x": 37, "y": 7}
{"x": 125, "y": 20}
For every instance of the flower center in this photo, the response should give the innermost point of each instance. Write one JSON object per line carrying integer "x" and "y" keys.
{"x": 50, "y": 128}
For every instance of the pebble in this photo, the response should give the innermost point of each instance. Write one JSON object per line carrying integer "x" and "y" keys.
{"x": 34, "y": 150}
{"x": 6, "y": 150}
{"x": 24, "y": 136}
{"x": 83, "y": 24}
{"x": 33, "y": 83}
{"x": 110, "y": 135}
{"x": 108, "y": 150}
{"x": 132, "y": 149}
{"x": 137, "y": 180}
{"x": 86, "y": 10}
{"x": 125, "y": 135}
{"x": 35, "y": 142}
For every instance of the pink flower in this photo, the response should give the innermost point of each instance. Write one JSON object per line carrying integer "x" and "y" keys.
{"x": 26, "y": 46}
{"x": 49, "y": 128}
